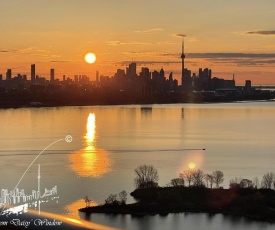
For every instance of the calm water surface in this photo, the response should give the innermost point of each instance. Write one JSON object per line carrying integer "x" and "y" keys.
{"x": 109, "y": 142}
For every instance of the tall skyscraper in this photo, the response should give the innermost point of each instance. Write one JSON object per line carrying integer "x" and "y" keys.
{"x": 97, "y": 76}
{"x": 132, "y": 70}
{"x": 145, "y": 73}
{"x": 8, "y": 74}
{"x": 52, "y": 75}
{"x": 33, "y": 73}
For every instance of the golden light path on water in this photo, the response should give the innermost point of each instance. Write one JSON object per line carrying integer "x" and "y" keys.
{"x": 90, "y": 161}
{"x": 72, "y": 209}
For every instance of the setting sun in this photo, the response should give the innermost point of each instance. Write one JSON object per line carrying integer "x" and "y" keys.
{"x": 191, "y": 165}
{"x": 90, "y": 58}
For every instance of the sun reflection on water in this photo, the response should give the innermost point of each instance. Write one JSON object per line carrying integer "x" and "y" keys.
{"x": 90, "y": 135}
{"x": 90, "y": 161}
{"x": 72, "y": 209}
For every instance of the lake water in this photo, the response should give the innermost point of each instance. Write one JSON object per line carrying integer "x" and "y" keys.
{"x": 109, "y": 142}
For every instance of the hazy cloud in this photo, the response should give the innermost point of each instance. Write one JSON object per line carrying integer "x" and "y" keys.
{"x": 62, "y": 61}
{"x": 149, "y": 31}
{"x": 32, "y": 50}
{"x": 262, "y": 32}
{"x": 222, "y": 55}
{"x": 154, "y": 62}
{"x": 181, "y": 35}
{"x": 241, "y": 59}
{"x": 118, "y": 43}
{"x": 245, "y": 62}
{"x": 8, "y": 51}
{"x": 144, "y": 54}
{"x": 234, "y": 59}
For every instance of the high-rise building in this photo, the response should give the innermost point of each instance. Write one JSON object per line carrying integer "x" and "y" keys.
{"x": 120, "y": 74}
{"x": 248, "y": 85}
{"x": 97, "y": 76}
{"x": 132, "y": 70}
{"x": 145, "y": 73}
{"x": 8, "y": 74}
{"x": 33, "y": 73}
{"x": 171, "y": 76}
{"x": 161, "y": 74}
{"x": 52, "y": 75}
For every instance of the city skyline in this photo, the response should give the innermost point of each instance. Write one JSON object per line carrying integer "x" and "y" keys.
{"x": 228, "y": 37}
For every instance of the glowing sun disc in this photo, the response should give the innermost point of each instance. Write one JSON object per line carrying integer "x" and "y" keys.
{"x": 191, "y": 165}
{"x": 90, "y": 58}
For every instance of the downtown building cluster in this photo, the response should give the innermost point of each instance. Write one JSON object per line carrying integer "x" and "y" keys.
{"x": 129, "y": 80}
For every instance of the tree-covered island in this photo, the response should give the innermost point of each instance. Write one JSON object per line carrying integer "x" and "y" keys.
{"x": 193, "y": 191}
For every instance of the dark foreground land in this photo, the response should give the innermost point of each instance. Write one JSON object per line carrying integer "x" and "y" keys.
{"x": 258, "y": 204}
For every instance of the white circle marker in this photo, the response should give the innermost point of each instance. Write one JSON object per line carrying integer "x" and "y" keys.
{"x": 68, "y": 138}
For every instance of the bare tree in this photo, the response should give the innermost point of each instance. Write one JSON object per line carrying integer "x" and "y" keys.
{"x": 267, "y": 180}
{"x": 246, "y": 183}
{"x": 87, "y": 201}
{"x": 235, "y": 183}
{"x": 146, "y": 177}
{"x": 197, "y": 177}
{"x": 273, "y": 183}
{"x": 256, "y": 182}
{"x": 218, "y": 177}
{"x": 177, "y": 182}
{"x": 122, "y": 197}
{"x": 209, "y": 180}
{"x": 112, "y": 199}
{"x": 187, "y": 174}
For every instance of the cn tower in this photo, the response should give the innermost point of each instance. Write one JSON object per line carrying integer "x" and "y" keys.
{"x": 182, "y": 60}
{"x": 182, "y": 63}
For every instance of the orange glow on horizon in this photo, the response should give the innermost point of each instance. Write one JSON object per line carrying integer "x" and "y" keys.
{"x": 90, "y": 161}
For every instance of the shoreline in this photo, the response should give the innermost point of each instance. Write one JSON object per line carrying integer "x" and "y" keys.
{"x": 45, "y": 105}
{"x": 256, "y": 204}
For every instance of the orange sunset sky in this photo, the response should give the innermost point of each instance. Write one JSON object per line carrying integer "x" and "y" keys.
{"x": 227, "y": 36}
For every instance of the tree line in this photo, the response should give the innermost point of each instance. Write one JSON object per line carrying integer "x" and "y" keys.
{"x": 147, "y": 177}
